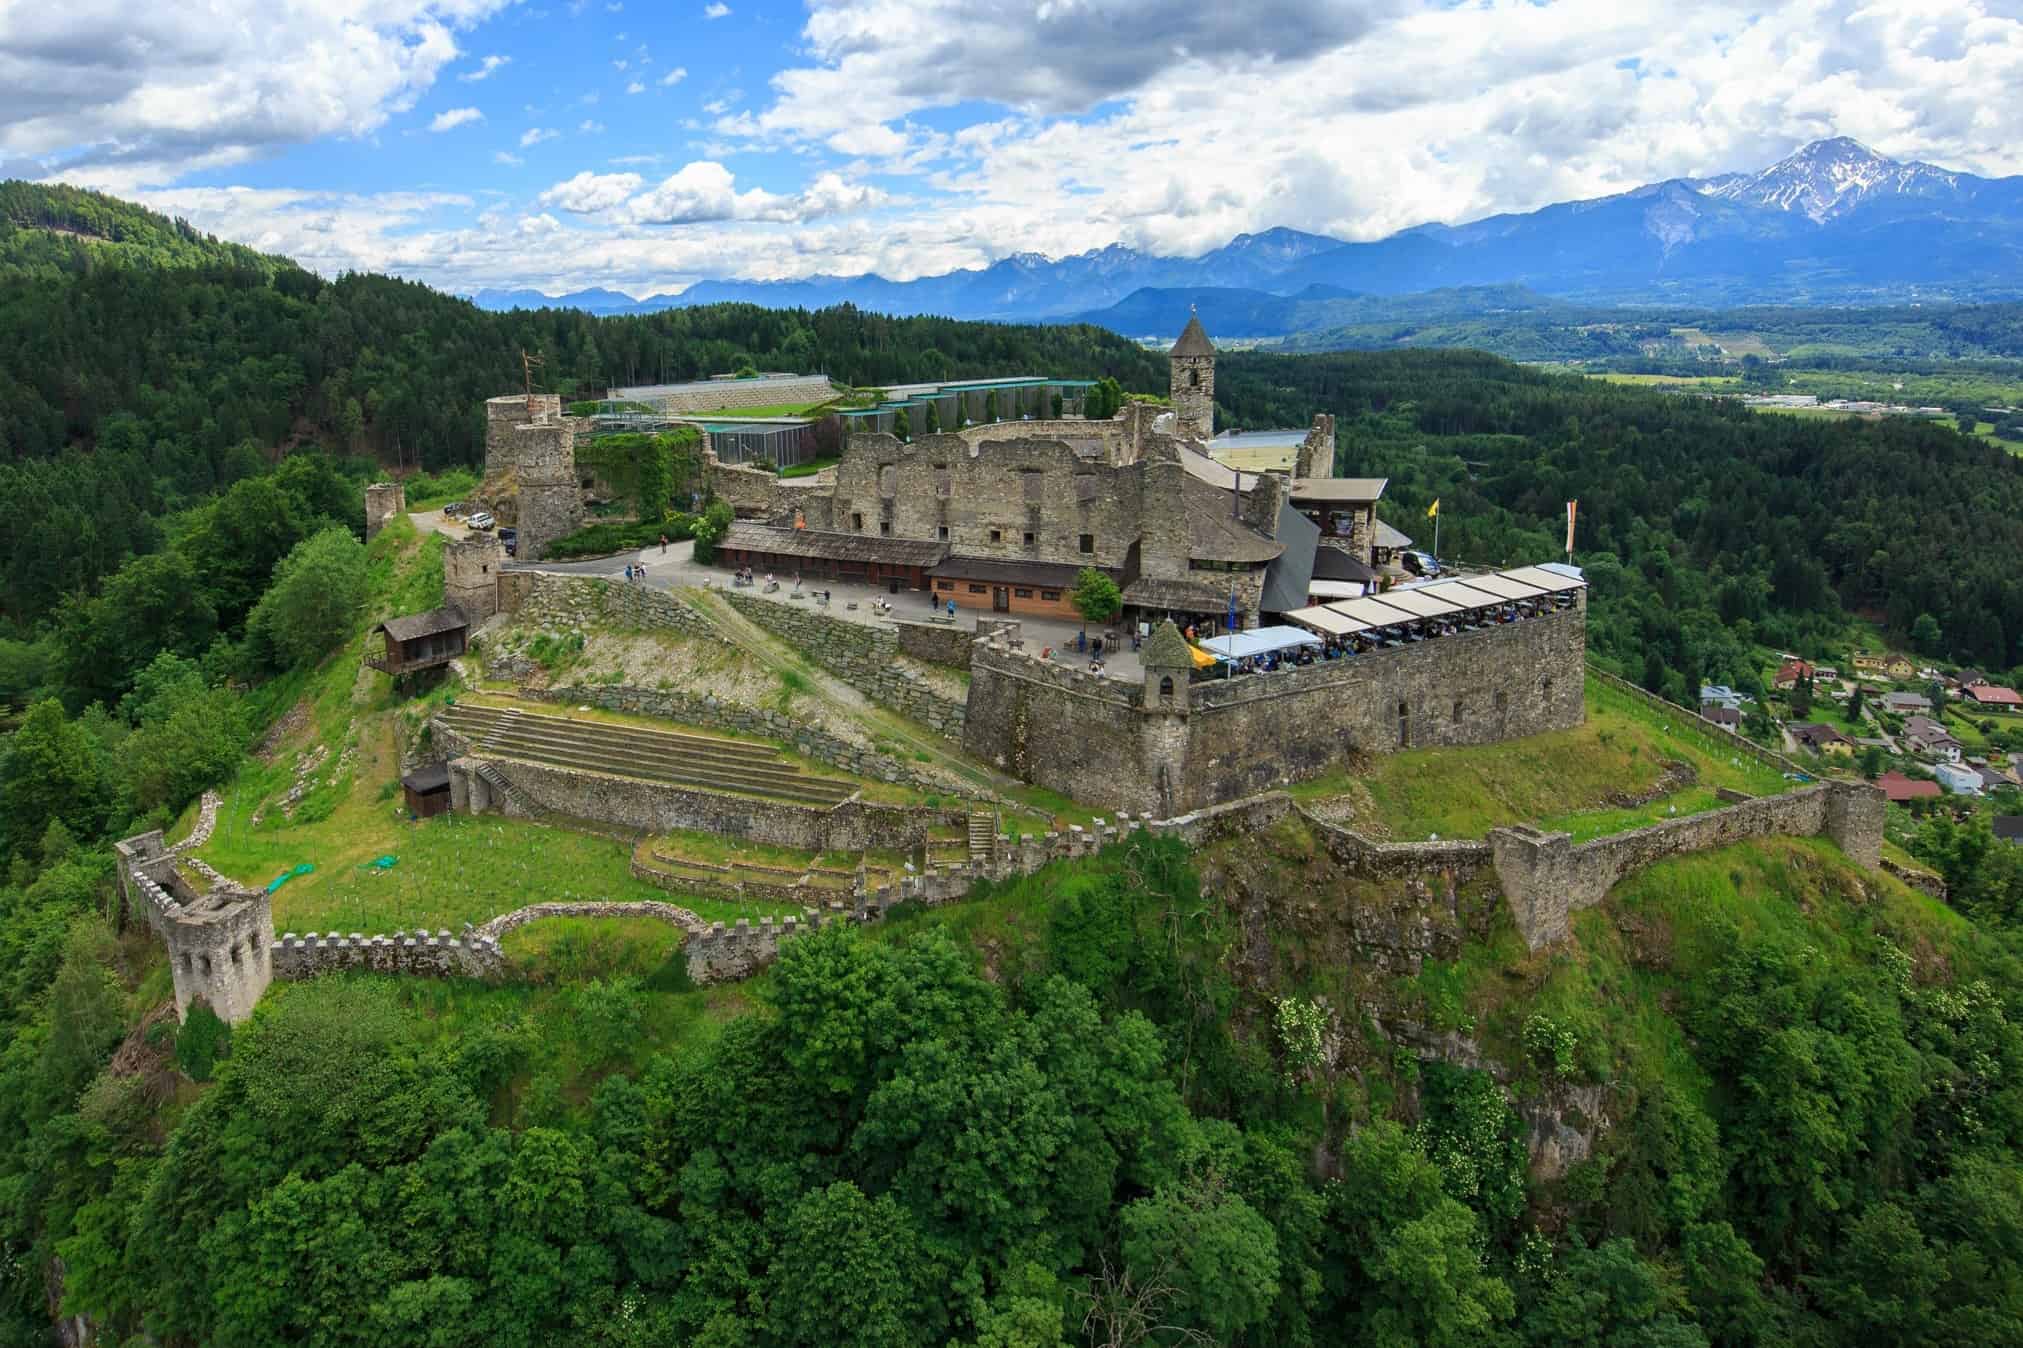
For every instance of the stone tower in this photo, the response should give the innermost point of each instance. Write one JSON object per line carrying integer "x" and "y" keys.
{"x": 1193, "y": 383}
{"x": 1317, "y": 451}
{"x": 471, "y": 575}
{"x": 1163, "y": 715}
{"x": 220, "y": 942}
{"x": 383, "y": 501}
{"x": 530, "y": 459}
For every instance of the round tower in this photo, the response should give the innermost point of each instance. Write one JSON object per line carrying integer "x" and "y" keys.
{"x": 503, "y": 414}
{"x": 471, "y": 575}
{"x": 1192, "y": 360}
{"x": 383, "y": 501}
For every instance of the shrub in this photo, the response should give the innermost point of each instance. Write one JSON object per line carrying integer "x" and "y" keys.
{"x": 202, "y": 1041}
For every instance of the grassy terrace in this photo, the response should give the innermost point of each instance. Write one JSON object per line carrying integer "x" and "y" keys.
{"x": 1564, "y": 780}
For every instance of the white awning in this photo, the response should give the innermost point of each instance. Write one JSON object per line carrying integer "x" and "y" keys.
{"x": 1326, "y": 621}
{"x": 1549, "y": 581}
{"x": 1419, "y": 603}
{"x": 1374, "y": 613}
{"x": 1258, "y": 641}
{"x": 1336, "y": 589}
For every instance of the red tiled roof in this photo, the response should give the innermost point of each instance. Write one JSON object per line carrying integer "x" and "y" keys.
{"x": 1901, "y": 788}
{"x": 1994, "y": 695}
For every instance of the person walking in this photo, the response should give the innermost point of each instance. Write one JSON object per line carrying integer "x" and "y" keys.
{"x": 663, "y": 545}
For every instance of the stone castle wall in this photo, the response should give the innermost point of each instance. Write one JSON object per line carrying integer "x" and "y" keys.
{"x": 1091, "y": 737}
{"x": 866, "y": 658}
{"x": 1546, "y": 878}
{"x": 940, "y": 642}
{"x": 384, "y": 501}
{"x": 530, "y": 470}
{"x": 219, "y": 942}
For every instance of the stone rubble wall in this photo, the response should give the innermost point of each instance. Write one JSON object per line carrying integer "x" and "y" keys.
{"x": 938, "y": 642}
{"x": 571, "y": 603}
{"x": 707, "y": 711}
{"x": 437, "y": 955}
{"x": 866, "y": 658}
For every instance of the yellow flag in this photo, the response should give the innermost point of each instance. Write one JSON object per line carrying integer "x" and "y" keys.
{"x": 1433, "y": 511}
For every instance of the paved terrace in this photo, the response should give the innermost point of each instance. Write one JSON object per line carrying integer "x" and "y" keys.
{"x": 677, "y": 569}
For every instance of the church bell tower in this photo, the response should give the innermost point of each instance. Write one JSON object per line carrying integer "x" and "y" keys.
{"x": 1193, "y": 380}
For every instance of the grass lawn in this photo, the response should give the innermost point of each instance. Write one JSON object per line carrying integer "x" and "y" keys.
{"x": 811, "y": 467}
{"x": 1664, "y": 380}
{"x": 1561, "y": 780}
{"x": 720, "y": 850}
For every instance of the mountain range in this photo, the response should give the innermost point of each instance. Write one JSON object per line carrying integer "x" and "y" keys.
{"x": 1834, "y": 223}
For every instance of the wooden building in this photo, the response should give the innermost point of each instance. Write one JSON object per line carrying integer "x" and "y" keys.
{"x": 427, "y": 791}
{"x": 898, "y": 564}
{"x": 420, "y": 641}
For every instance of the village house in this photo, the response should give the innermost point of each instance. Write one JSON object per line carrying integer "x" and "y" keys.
{"x": 1906, "y": 704}
{"x": 1994, "y": 697}
{"x": 1720, "y": 695}
{"x": 1866, "y": 662}
{"x": 1724, "y": 716}
{"x": 1957, "y": 779}
{"x": 1822, "y": 739}
{"x": 1902, "y": 790}
{"x": 1931, "y": 740}
{"x": 1789, "y": 673}
{"x": 1900, "y": 667}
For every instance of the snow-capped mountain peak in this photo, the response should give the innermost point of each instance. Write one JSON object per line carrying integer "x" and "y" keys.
{"x": 1829, "y": 178}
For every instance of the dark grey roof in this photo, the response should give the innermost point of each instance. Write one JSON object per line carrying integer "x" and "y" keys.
{"x": 1291, "y": 573}
{"x": 425, "y": 780}
{"x": 1340, "y": 564}
{"x": 2009, "y": 826}
{"x": 1215, "y": 535}
{"x": 1012, "y": 571}
{"x": 751, "y": 536}
{"x": 427, "y": 624}
{"x": 1193, "y": 340}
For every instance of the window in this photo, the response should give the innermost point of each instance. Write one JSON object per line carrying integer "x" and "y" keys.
{"x": 1166, "y": 685}
{"x": 857, "y": 521}
{"x": 997, "y": 536}
{"x": 944, "y": 584}
{"x": 1502, "y": 703}
{"x": 1031, "y": 538}
{"x": 1023, "y": 594}
{"x": 1088, "y": 542}
{"x": 1194, "y": 378}
{"x": 1545, "y": 689}
{"x": 976, "y": 589}
{"x": 885, "y": 527}
{"x": 1458, "y": 709}
{"x": 1051, "y": 596}
{"x": 941, "y": 532}
{"x": 1404, "y": 726}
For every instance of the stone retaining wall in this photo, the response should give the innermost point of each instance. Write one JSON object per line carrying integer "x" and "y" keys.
{"x": 866, "y": 658}
{"x": 571, "y": 603}
{"x": 1721, "y": 734}
{"x": 940, "y": 642}
{"x": 709, "y": 712}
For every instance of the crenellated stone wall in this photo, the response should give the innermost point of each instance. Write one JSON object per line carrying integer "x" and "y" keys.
{"x": 1097, "y": 738}
{"x": 219, "y": 941}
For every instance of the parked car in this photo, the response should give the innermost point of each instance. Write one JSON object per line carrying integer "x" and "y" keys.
{"x": 1420, "y": 563}
{"x": 511, "y": 538}
{"x": 455, "y": 508}
{"x": 482, "y": 520}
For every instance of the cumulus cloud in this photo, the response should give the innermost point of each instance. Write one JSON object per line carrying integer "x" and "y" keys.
{"x": 705, "y": 191}
{"x": 635, "y": 88}
{"x": 486, "y": 69}
{"x": 454, "y": 118}
{"x": 674, "y": 76}
{"x": 589, "y": 128}
{"x": 535, "y": 135}
{"x": 507, "y": 158}
{"x": 588, "y": 193}
{"x": 125, "y": 95}
{"x": 715, "y": 10}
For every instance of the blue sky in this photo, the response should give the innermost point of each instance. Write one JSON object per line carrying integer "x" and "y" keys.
{"x": 551, "y": 144}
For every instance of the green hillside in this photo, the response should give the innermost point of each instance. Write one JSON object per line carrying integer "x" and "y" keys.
{"x": 51, "y": 230}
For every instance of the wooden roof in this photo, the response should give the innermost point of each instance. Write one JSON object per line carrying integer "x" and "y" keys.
{"x": 404, "y": 630}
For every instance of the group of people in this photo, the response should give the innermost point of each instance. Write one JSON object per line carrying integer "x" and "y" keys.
{"x": 634, "y": 573}
{"x": 743, "y": 576}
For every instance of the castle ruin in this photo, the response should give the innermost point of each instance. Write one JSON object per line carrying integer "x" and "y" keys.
{"x": 530, "y": 470}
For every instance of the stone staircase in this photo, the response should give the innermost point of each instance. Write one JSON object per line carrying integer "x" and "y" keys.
{"x": 982, "y": 834}
{"x": 495, "y": 779}
{"x": 675, "y": 757}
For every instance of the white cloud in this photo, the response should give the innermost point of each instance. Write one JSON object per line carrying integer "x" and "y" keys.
{"x": 635, "y": 88}
{"x": 588, "y": 193}
{"x": 121, "y": 95}
{"x": 507, "y": 158}
{"x": 454, "y": 118}
{"x": 674, "y": 76}
{"x": 717, "y": 9}
{"x": 589, "y": 128}
{"x": 535, "y": 135}
{"x": 705, "y": 191}
{"x": 486, "y": 69}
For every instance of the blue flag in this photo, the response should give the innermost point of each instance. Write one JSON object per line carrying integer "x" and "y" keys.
{"x": 1232, "y": 611}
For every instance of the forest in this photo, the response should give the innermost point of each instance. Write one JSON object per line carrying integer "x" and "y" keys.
{"x": 1093, "y": 1106}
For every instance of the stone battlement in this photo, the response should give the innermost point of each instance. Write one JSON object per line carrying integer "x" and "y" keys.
{"x": 401, "y": 953}
{"x": 219, "y": 941}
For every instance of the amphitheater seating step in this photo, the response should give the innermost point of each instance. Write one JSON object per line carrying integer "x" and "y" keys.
{"x": 675, "y": 757}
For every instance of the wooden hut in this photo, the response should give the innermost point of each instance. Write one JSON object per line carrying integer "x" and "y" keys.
{"x": 420, "y": 641}
{"x": 427, "y": 791}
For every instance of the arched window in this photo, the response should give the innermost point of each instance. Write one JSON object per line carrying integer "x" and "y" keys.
{"x": 1166, "y": 685}
{"x": 1458, "y": 710}
{"x": 1194, "y": 377}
